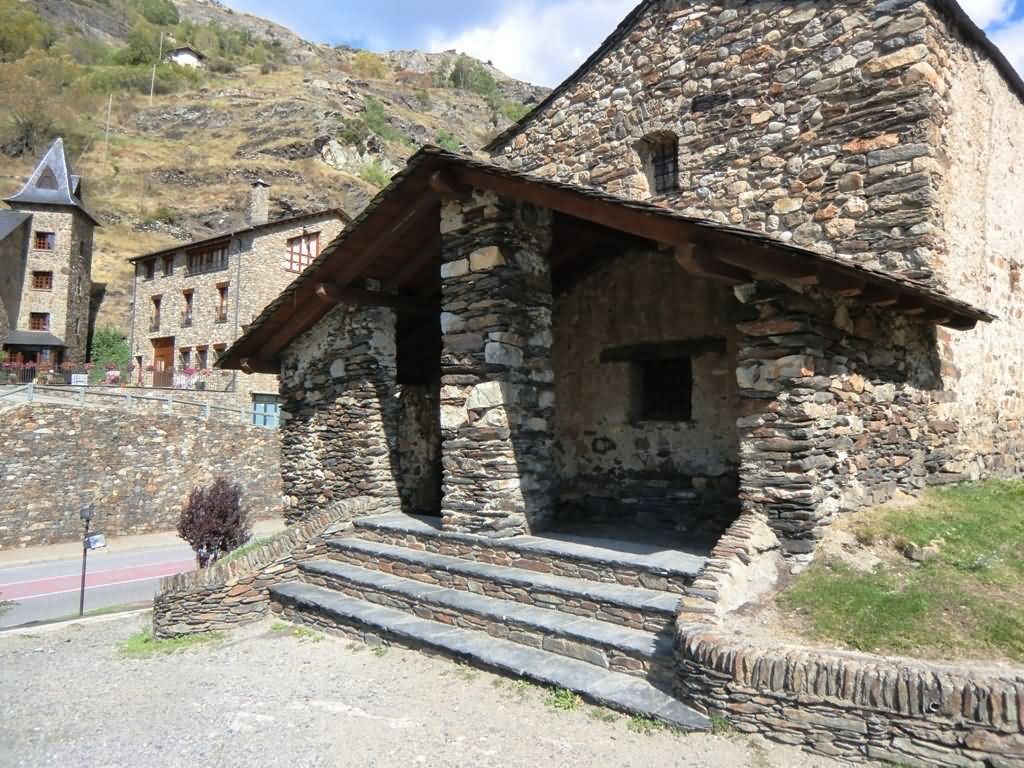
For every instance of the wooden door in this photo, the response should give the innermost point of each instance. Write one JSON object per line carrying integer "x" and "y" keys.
{"x": 163, "y": 362}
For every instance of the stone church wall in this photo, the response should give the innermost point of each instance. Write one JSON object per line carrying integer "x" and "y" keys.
{"x": 814, "y": 122}
{"x": 611, "y": 462}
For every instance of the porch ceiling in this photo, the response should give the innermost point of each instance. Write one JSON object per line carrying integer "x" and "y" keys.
{"x": 395, "y": 245}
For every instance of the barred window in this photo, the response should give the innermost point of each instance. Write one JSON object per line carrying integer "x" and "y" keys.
{"x": 660, "y": 154}
{"x": 39, "y": 321}
{"x": 45, "y": 241}
{"x": 42, "y": 281}
{"x": 301, "y": 251}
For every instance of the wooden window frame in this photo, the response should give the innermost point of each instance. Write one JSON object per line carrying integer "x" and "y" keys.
{"x": 39, "y": 321}
{"x": 49, "y": 240}
{"x": 223, "y": 301}
{"x": 149, "y": 270}
{"x": 168, "y": 265}
{"x": 202, "y": 261}
{"x": 42, "y": 281}
{"x": 156, "y": 311}
{"x": 300, "y": 252}
{"x": 188, "y": 313}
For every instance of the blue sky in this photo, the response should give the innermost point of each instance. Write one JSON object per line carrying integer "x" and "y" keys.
{"x": 537, "y": 40}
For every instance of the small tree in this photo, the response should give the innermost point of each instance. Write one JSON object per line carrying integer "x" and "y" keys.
{"x": 213, "y": 521}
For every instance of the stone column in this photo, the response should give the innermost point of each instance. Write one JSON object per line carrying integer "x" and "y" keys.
{"x": 339, "y": 432}
{"x": 788, "y": 443}
{"x": 497, "y": 397}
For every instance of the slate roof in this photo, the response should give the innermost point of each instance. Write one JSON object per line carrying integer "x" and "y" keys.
{"x": 236, "y": 232}
{"x": 32, "y": 339}
{"x": 429, "y": 160}
{"x": 950, "y": 8}
{"x": 52, "y": 183}
{"x": 11, "y": 220}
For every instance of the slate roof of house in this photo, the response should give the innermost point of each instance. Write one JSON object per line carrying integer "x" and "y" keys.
{"x": 11, "y": 220}
{"x": 950, "y": 8}
{"x": 32, "y": 339}
{"x": 398, "y": 203}
{"x": 52, "y": 183}
{"x": 237, "y": 232}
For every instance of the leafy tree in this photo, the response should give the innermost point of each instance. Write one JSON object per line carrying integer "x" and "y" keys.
{"x": 22, "y": 29}
{"x": 143, "y": 45}
{"x": 376, "y": 120}
{"x": 213, "y": 521}
{"x": 109, "y": 345}
{"x": 468, "y": 74}
{"x": 161, "y": 12}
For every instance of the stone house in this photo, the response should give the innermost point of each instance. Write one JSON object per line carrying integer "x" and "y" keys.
{"x": 186, "y": 57}
{"x": 46, "y": 242}
{"x": 752, "y": 266}
{"x": 191, "y": 301}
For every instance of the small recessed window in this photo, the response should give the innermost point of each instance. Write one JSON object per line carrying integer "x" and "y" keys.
{"x": 149, "y": 269}
{"x": 168, "y": 265}
{"x": 39, "y": 321}
{"x": 45, "y": 241}
{"x": 666, "y": 389}
{"x": 42, "y": 281}
{"x": 660, "y": 155}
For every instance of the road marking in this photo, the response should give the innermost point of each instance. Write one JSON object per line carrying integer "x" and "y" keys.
{"x": 5, "y": 584}
{"x": 88, "y": 588}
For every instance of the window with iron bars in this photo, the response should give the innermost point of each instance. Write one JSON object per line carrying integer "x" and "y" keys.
{"x": 661, "y": 160}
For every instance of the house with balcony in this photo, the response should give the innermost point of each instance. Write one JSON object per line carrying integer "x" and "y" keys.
{"x": 191, "y": 301}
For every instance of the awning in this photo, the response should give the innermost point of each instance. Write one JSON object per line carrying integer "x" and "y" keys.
{"x": 32, "y": 339}
{"x": 396, "y": 242}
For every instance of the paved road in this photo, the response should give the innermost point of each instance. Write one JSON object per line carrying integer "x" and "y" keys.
{"x": 50, "y": 590}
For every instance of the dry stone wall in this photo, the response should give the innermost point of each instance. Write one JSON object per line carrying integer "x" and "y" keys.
{"x": 497, "y": 396}
{"x": 340, "y": 412}
{"x": 841, "y": 405}
{"x": 846, "y": 705}
{"x": 138, "y": 469}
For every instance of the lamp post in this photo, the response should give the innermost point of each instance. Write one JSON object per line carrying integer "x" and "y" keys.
{"x": 86, "y": 514}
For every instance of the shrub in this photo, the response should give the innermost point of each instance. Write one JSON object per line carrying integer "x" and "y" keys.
{"x": 22, "y": 29}
{"x": 213, "y": 521}
{"x": 162, "y": 12}
{"x": 448, "y": 140}
{"x": 376, "y": 120}
{"x": 109, "y": 347}
{"x": 369, "y": 65}
{"x": 354, "y": 132}
{"x": 374, "y": 173}
{"x": 425, "y": 99}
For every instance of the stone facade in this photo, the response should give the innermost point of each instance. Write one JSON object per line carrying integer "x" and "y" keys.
{"x": 70, "y": 262}
{"x": 612, "y": 463}
{"x": 846, "y": 705}
{"x": 137, "y": 468}
{"x": 497, "y": 396}
{"x": 254, "y": 273}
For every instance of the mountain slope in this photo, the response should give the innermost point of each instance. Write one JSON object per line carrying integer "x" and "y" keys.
{"x": 324, "y": 126}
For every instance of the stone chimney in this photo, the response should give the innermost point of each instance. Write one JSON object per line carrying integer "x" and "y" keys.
{"x": 259, "y": 203}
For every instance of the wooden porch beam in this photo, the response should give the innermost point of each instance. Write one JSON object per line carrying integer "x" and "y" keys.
{"x": 332, "y": 294}
{"x": 448, "y": 187}
{"x": 699, "y": 260}
{"x": 839, "y": 283}
{"x": 765, "y": 263}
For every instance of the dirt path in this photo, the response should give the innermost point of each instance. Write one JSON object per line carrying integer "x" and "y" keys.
{"x": 269, "y": 695}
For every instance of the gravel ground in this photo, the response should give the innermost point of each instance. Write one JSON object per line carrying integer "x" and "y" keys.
{"x": 270, "y": 695}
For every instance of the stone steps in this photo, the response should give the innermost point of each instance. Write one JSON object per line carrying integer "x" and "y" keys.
{"x": 363, "y": 620}
{"x": 608, "y": 646}
{"x": 633, "y": 607}
{"x": 633, "y": 565}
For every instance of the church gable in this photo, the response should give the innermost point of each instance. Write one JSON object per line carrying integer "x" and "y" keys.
{"x": 816, "y": 123}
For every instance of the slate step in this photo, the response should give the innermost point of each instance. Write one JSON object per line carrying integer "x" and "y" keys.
{"x": 325, "y": 608}
{"x": 632, "y": 607}
{"x": 631, "y": 564}
{"x": 606, "y": 645}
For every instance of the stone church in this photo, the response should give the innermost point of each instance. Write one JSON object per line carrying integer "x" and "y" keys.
{"x": 753, "y": 258}
{"x": 46, "y": 242}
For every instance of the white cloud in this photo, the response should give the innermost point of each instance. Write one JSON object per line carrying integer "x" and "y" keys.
{"x": 541, "y": 45}
{"x": 1010, "y": 40}
{"x": 988, "y": 12}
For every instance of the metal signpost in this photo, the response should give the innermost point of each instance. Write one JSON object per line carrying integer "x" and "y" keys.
{"x": 89, "y": 541}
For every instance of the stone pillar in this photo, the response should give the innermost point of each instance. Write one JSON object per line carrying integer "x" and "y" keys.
{"x": 497, "y": 397}
{"x": 788, "y": 442}
{"x": 339, "y": 432}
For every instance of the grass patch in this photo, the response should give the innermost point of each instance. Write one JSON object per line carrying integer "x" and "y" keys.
{"x": 142, "y": 645}
{"x": 375, "y": 174}
{"x": 966, "y": 600}
{"x": 245, "y": 549}
{"x": 720, "y": 726}
{"x": 602, "y": 715}
{"x": 305, "y": 634}
{"x": 645, "y": 725}
{"x": 563, "y": 700}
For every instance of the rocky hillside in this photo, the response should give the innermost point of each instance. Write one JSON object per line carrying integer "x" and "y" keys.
{"x": 324, "y": 126}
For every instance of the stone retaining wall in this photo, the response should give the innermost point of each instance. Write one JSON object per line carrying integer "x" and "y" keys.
{"x": 137, "y": 468}
{"x": 854, "y": 706}
{"x": 232, "y": 593}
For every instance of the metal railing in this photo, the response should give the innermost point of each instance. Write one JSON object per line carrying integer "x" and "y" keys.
{"x": 133, "y": 400}
{"x": 110, "y": 375}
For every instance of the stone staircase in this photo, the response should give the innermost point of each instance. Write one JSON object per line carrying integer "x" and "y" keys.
{"x": 590, "y": 616}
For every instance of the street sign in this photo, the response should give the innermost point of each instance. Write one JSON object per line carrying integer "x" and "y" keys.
{"x": 95, "y": 541}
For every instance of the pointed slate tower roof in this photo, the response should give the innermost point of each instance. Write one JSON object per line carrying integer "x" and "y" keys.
{"x": 52, "y": 183}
